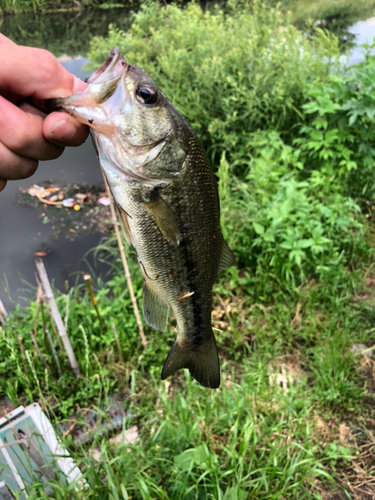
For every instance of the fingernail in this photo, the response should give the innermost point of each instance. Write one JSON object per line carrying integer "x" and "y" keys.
{"x": 63, "y": 131}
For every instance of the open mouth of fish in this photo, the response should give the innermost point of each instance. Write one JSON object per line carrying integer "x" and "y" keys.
{"x": 104, "y": 98}
{"x": 113, "y": 66}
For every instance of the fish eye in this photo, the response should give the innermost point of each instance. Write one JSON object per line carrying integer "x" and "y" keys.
{"x": 146, "y": 94}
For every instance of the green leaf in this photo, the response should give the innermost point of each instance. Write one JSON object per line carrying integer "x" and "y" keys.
{"x": 185, "y": 459}
{"x": 258, "y": 228}
{"x": 304, "y": 243}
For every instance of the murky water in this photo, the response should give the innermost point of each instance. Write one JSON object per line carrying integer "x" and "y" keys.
{"x": 22, "y": 233}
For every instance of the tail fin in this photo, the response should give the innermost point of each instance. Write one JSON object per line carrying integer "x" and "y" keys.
{"x": 202, "y": 362}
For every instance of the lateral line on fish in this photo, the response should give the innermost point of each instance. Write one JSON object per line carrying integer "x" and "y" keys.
{"x": 189, "y": 294}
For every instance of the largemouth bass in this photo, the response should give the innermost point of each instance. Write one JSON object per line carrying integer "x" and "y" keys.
{"x": 167, "y": 201}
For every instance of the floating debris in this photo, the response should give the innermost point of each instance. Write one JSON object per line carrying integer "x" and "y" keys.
{"x": 104, "y": 201}
{"x": 72, "y": 210}
{"x": 68, "y": 203}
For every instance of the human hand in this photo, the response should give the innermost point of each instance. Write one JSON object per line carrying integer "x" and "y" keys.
{"x": 27, "y": 134}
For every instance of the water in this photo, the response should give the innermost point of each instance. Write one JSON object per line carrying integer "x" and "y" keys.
{"x": 22, "y": 232}
{"x": 67, "y": 35}
{"x": 364, "y": 33}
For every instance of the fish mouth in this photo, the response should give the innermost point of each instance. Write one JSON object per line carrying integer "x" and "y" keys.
{"x": 112, "y": 67}
{"x": 110, "y": 72}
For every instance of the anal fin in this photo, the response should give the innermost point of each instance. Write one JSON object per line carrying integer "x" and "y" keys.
{"x": 202, "y": 362}
{"x": 155, "y": 310}
{"x": 227, "y": 258}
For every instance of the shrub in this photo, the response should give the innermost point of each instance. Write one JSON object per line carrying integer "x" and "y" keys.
{"x": 286, "y": 130}
{"x": 229, "y": 74}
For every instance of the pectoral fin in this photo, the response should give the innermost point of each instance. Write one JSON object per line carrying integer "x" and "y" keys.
{"x": 155, "y": 311}
{"x": 163, "y": 217}
{"x": 123, "y": 216}
{"x": 227, "y": 258}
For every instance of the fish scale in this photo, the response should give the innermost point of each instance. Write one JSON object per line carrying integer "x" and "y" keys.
{"x": 167, "y": 202}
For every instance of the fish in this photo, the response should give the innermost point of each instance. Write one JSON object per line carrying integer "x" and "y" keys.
{"x": 167, "y": 201}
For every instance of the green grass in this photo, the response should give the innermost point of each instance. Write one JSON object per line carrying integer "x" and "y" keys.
{"x": 250, "y": 438}
{"x": 292, "y": 142}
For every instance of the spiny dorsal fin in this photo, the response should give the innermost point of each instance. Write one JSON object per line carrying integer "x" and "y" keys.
{"x": 163, "y": 217}
{"x": 155, "y": 311}
{"x": 227, "y": 258}
{"x": 202, "y": 362}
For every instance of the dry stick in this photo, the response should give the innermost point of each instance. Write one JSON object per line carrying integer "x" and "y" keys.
{"x": 56, "y": 315}
{"x": 126, "y": 268}
{"x": 54, "y": 352}
{"x": 118, "y": 343}
{"x": 88, "y": 280}
{"x": 50, "y": 318}
{"x": 40, "y": 355}
{"x": 23, "y": 355}
{"x": 67, "y": 432}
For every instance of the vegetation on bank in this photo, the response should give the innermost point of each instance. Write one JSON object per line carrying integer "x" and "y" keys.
{"x": 291, "y": 137}
{"x": 21, "y": 6}
{"x": 63, "y": 33}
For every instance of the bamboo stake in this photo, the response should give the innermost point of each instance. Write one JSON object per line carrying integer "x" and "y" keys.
{"x": 88, "y": 280}
{"x": 40, "y": 355}
{"x": 54, "y": 352}
{"x": 118, "y": 343}
{"x": 125, "y": 264}
{"x": 56, "y": 315}
{"x": 23, "y": 355}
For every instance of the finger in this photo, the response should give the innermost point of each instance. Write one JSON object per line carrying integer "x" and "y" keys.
{"x": 14, "y": 166}
{"x": 64, "y": 130}
{"x": 36, "y": 73}
{"x": 3, "y": 183}
{"x": 4, "y": 39}
{"x": 21, "y": 131}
